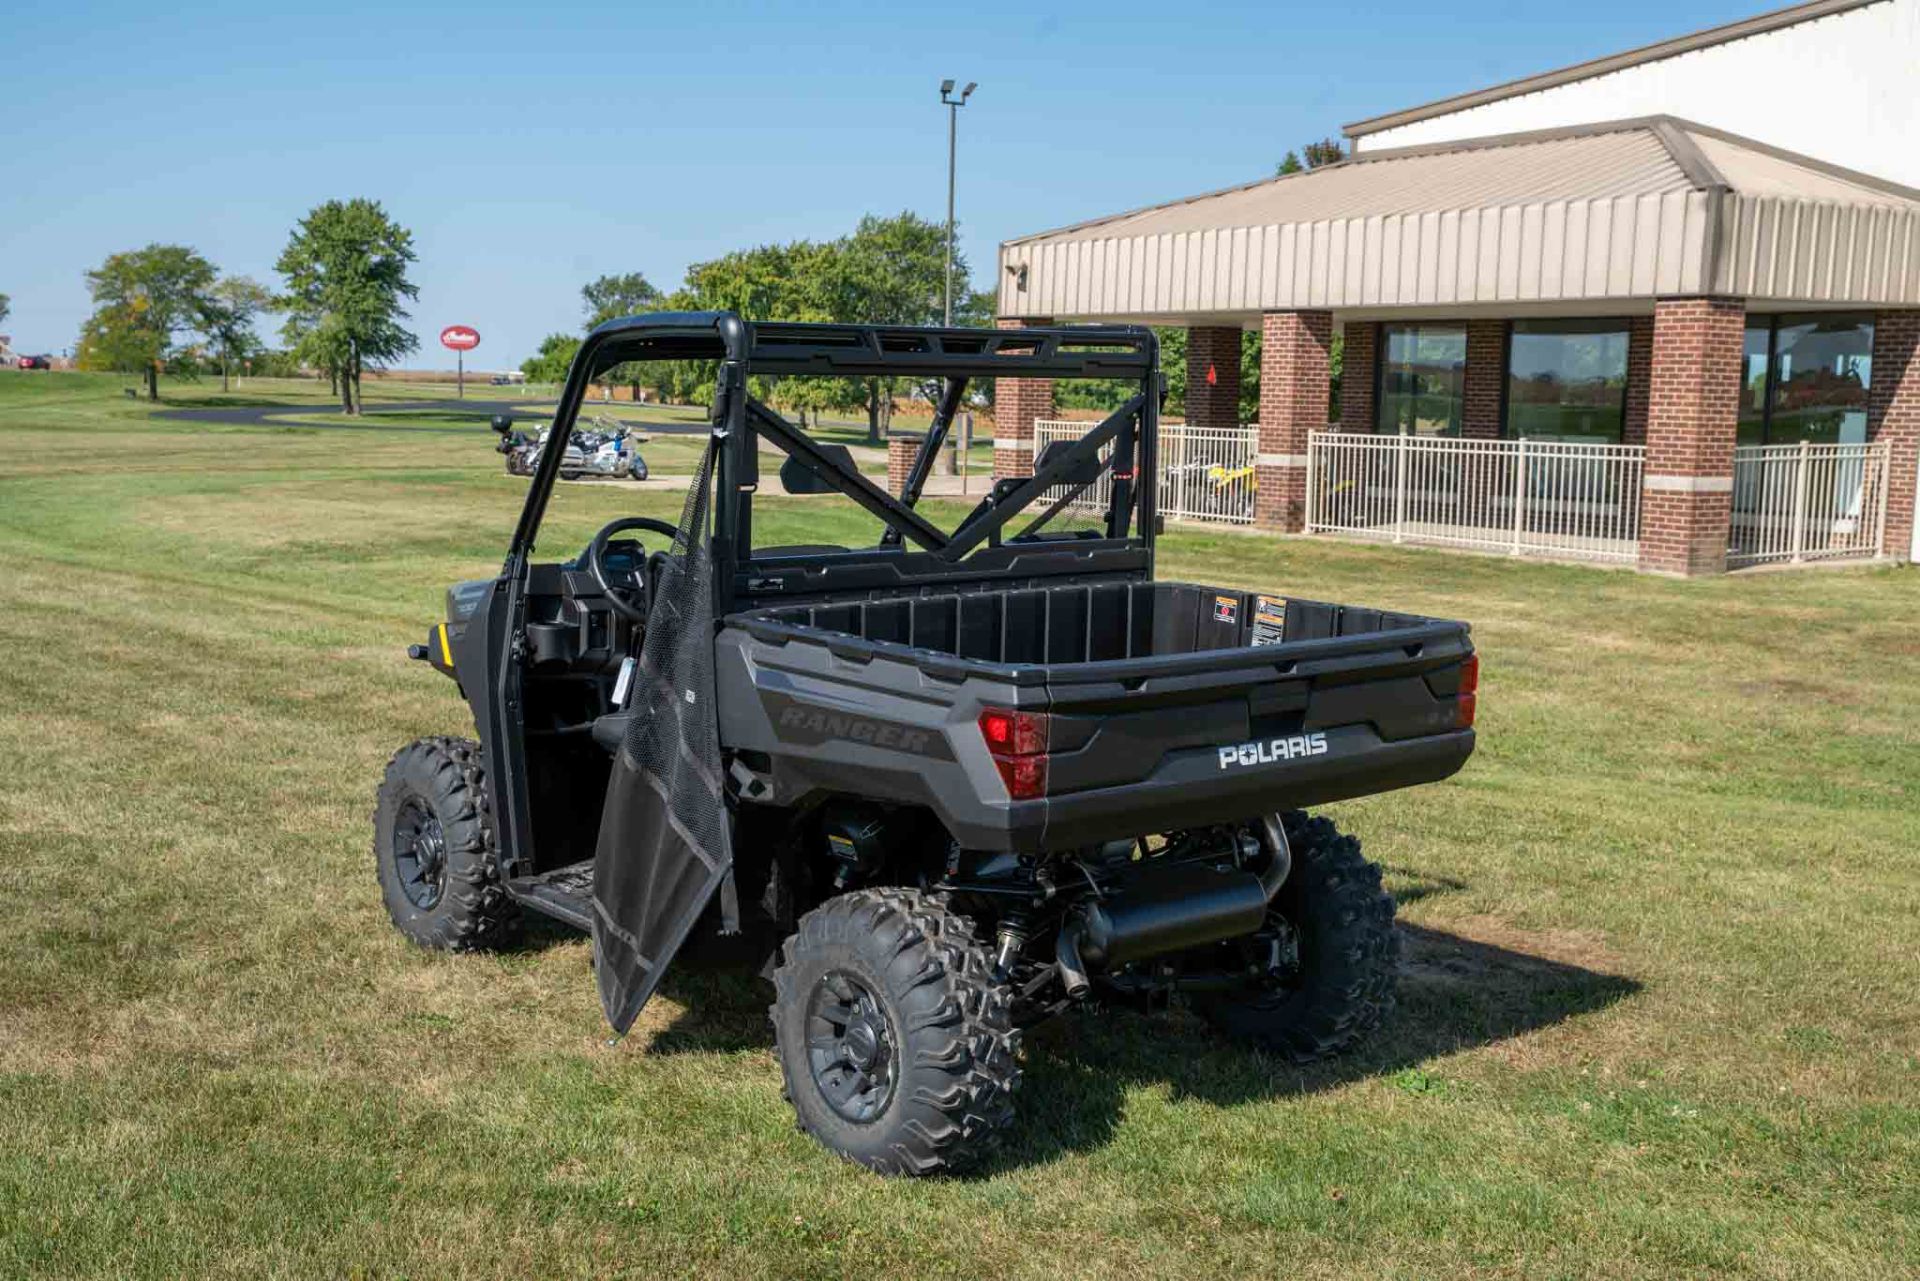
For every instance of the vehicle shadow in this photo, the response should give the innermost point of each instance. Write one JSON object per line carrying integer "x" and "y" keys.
{"x": 1455, "y": 993}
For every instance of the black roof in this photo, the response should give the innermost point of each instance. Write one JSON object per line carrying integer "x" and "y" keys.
{"x": 787, "y": 347}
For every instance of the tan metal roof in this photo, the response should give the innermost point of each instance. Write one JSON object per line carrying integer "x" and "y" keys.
{"x": 1790, "y": 16}
{"x": 1627, "y": 209}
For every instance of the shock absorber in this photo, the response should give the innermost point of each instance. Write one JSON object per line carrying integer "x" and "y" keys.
{"x": 1013, "y": 937}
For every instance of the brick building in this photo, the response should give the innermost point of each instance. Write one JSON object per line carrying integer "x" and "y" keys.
{"x": 1644, "y": 339}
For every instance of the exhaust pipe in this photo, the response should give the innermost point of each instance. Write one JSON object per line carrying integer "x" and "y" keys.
{"x": 1171, "y": 910}
{"x": 1273, "y": 836}
{"x": 1073, "y": 970}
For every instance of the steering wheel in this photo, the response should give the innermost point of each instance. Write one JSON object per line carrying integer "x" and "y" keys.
{"x": 621, "y": 593}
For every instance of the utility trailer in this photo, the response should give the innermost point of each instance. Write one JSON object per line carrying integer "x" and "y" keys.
{"x": 938, "y": 787}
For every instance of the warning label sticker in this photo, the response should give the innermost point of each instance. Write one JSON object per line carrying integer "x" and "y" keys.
{"x": 1226, "y": 609}
{"x": 1269, "y": 620}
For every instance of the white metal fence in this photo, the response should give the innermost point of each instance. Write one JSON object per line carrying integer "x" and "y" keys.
{"x": 1525, "y": 497}
{"x": 1808, "y": 502}
{"x": 1206, "y": 473}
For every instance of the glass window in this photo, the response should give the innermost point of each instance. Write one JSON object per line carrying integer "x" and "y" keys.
{"x": 1754, "y": 364}
{"x": 1422, "y": 380}
{"x": 1567, "y": 379}
{"x": 1822, "y": 369}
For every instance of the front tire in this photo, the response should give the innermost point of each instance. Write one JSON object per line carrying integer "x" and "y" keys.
{"x": 897, "y": 1047}
{"x": 1340, "y": 923}
{"x": 434, "y": 849}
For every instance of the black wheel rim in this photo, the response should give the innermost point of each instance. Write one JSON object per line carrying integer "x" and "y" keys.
{"x": 420, "y": 853}
{"x": 850, "y": 1047}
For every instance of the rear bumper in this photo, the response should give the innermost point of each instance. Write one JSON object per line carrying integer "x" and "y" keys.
{"x": 1192, "y": 788}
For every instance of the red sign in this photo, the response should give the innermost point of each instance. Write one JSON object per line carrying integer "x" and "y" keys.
{"x": 1213, "y": 378}
{"x": 460, "y": 337}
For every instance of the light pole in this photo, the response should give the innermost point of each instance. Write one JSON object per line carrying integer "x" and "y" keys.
{"x": 953, "y": 106}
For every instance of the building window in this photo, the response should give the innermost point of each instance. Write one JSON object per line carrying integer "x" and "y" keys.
{"x": 1422, "y": 380}
{"x": 1567, "y": 379}
{"x": 1806, "y": 378}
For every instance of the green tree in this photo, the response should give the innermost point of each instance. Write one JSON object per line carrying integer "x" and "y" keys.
{"x": 551, "y": 362}
{"x": 770, "y": 282}
{"x": 346, "y": 271}
{"x": 611, "y": 297}
{"x": 1327, "y": 151}
{"x": 145, "y": 303}
{"x": 6, "y": 308}
{"x": 232, "y": 305}
{"x": 891, "y": 271}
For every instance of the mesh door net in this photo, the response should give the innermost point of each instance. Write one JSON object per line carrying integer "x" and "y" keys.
{"x": 665, "y": 835}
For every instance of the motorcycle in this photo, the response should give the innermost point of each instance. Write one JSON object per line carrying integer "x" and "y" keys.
{"x": 521, "y": 450}
{"x": 608, "y": 449}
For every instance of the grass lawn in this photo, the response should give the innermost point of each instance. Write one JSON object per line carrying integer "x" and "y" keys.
{"x": 1658, "y": 1019}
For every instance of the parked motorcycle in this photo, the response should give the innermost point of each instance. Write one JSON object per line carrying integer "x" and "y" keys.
{"x": 606, "y": 450}
{"x": 522, "y": 451}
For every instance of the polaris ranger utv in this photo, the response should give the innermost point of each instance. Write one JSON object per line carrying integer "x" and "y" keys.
{"x": 944, "y": 785}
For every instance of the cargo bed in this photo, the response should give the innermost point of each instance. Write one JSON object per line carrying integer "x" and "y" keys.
{"x": 1169, "y": 704}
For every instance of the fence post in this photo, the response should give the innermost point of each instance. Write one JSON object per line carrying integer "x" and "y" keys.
{"x": 1880, "y": 460}
{"x": 1400, "y": 488}
{"x": 1799, "y": 535}
{"x": 1519, "y": 495}
{"x": 1313, "y": 480}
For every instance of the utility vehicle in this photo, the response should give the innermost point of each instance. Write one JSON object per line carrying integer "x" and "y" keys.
{"x": 938, "y": 787}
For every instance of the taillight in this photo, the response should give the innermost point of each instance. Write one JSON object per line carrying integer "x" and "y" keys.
{"x": 1017, "y": 741}
{"x": 1469, "y": 692}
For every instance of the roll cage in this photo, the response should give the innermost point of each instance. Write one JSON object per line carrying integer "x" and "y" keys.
{"x": 1123, "y": 444}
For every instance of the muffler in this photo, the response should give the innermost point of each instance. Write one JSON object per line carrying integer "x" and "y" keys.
{"x": 1171, "y": 910}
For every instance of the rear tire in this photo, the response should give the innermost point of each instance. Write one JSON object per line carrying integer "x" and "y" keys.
{"x": 434, "y": 850}
{"x": 1349, "y": 953}
{"x": 897, "y": 1047}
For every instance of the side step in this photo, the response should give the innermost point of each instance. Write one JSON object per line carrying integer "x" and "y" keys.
{"x": 565, "y": 893}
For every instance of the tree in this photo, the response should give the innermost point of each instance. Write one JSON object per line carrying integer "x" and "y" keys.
{"x": 232, "y": 306}
{"x": 611, "y": 297}
{"x": 346, "y": 271}
{"x": 144, "y": 302}
{"x": 1327, "y": 151}
{"x": 892, "y": 271}
{"x": 889, "y": 271}
{"x": 551, "y": 362}
{"x": 6, "y": 308}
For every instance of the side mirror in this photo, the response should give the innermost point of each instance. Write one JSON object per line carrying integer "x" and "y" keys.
{"x": 797, "y": 479}
{"x": 503, "y": 423}
{"x": 1085, "y": 474}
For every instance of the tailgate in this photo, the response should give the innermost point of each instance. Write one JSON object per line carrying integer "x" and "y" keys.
{"x": 1328, "y": 702}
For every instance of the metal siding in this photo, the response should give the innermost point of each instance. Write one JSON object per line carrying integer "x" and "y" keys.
{"x": 1398, "y": 259}
{"x": 1486, "y": 257}
{"x": 1507, "y": 251}
{"x": 1532, "y": 248}
{"x": 1408, "y": 277}
{"x": 1622, "y": 247}
{"x": 1553, "y": 252}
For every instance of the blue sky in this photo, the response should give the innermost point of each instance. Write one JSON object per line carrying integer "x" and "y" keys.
{"x": 533, "y": 146}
